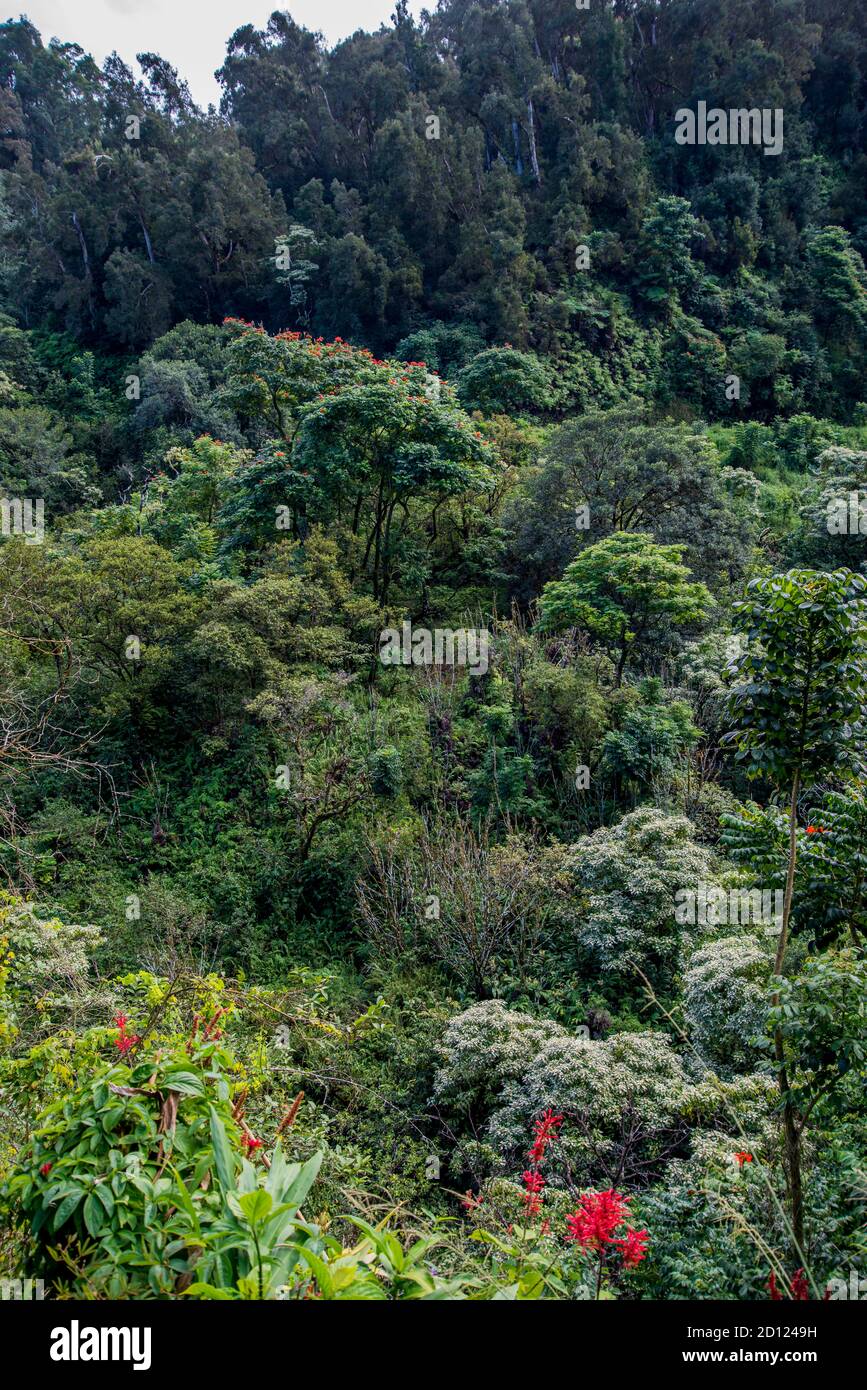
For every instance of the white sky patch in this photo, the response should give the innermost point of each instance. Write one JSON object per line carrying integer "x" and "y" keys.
{"x": 192, "y": 34}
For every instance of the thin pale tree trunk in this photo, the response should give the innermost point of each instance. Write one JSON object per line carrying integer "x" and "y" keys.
{"x": 790, "y": 1129}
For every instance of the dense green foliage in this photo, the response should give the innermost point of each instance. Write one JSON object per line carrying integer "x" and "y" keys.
{"x": 326, "y": 975}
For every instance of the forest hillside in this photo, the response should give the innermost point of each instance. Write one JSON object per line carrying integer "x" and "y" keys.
{"x": 433, "y": 660}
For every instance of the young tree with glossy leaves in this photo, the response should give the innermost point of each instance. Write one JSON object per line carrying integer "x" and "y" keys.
{"x": 799, "y": 704}
{"x": 628, "y": 591}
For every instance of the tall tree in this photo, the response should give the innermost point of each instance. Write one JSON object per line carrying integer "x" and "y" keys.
{"x": 800, "y": 706}
{"x": 626, "y": 590}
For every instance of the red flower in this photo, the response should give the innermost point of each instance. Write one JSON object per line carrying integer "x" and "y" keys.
{"x": 126, "y": 1040}
{"x": 211, "y": 1030}
{"x": 534, "y": 1183}
{"x": 632, "y": 1247}
{"x": 537, "y": 1153}
{"x": 545, "y": 1131}
{"x": 593, "y": 1225}
{"x": 470, "y": 1200}
{"x": 799, "y": 1289}
{"x": 252, "y": 1143}
{"x": 743, "y": 1158}
{"x": 46, "y": 1169}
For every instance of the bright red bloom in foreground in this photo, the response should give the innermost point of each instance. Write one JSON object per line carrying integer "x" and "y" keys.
{"x": 252, "y": 1143}
{"x": 743, "y": 1158}
{"x": 534, "y": 1184}
{"x": 799, "y": 1289}
{"x": 633, "y": 1247}
{"x": 46, "y": 1169}
{"x": 545, "y": 1131}
{"x": 126, "y": 1040}
{"x": 593, "y": 1225}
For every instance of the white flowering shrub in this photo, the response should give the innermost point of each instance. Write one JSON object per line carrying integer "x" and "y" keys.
{"x": 624, "y": 879}
{"x": 487, "y": 1045}
{"x": 725, "y": 1001}
{"x": 743, "y": 1106}
{"x": 501, "y": 1069}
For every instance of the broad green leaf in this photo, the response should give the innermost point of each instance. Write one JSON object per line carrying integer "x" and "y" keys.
{"x": 222, "y": 1152}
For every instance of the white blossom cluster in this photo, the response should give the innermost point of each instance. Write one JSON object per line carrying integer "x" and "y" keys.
{"x": 502, "y": 1069}
{"x": 626, "y": 877}
{"x": 725, "y": 1000}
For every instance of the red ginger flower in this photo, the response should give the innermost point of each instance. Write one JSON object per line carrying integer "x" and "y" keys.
{"x": 126, "y": 1040}
{"x": 252, "y": 1143}
{"x": 46, "y": 1169}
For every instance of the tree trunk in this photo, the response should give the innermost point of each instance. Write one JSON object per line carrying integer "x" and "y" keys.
{"x": 519, "y": 164}
{"x": 531, "y": 135}
{"x": 82, "y": 243}
{"x": 790, "y": 1129}
{"x": 147, "y": 239}
{"x": 377, "y": 537}
{"x": 386, "y": 552}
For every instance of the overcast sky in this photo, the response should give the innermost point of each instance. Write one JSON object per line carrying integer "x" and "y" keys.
{"x": 192, "y": 34}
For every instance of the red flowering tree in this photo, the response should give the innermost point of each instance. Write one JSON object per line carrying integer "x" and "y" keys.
{"x": 351, "y": 439}
{"x": 271, "y": 377}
